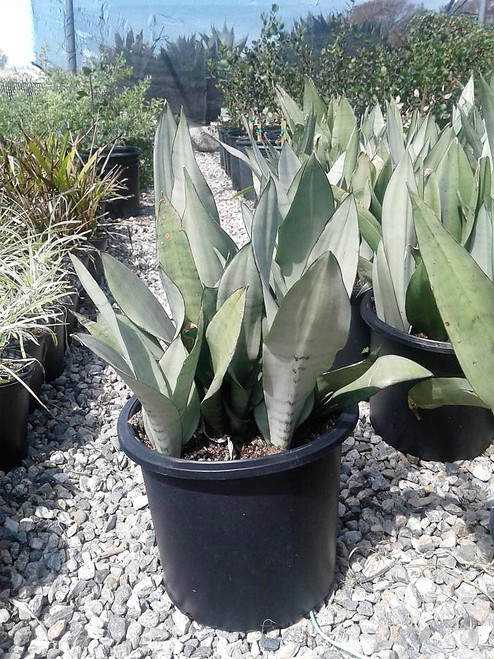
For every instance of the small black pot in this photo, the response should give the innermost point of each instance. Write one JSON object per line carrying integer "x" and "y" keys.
{"x": 14, "y": 413}
{"x": 448, "y": 433}
{"x": 358, "y": 335}
{"x": 231, "y": 136}
{"x": 56, "y": 346}
{"x": 124, "y": 159}
{"x": 247, "y": 542}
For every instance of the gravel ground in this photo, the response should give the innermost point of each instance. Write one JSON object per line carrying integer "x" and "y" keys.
{"x": 80, "y": 575}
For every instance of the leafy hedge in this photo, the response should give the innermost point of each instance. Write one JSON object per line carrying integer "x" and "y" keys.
{"x": 425, "y": 61}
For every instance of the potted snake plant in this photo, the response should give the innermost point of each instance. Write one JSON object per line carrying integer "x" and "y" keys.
{"x": 452, "y": 178}
{"x": 241, "y": 367}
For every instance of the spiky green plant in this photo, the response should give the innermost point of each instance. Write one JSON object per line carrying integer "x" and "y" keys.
{"x": 255, "y": 330}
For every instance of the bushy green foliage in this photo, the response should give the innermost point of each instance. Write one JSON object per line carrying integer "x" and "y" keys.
{"x": 247, "y": 78}
{"x": 97, "y": 102}
{"x": 437, "y": 56}
{"x": 424, "y": 60}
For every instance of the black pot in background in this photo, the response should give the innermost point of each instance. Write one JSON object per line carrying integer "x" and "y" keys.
{"x": 88, "y": 254}
{"x": 56, "y": 345}
{"x": 358, "y": 335}
{"x": 231, "y": 137}
{"x": 250, "y": 541}
{"x": 14, "y": 412}
{"x": 447, "y": 433}
{"x": 37, "y": 351}
{"x": 125, "y": 159}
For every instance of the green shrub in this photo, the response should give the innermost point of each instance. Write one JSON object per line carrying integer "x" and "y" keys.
{"x": 98, "y": 102}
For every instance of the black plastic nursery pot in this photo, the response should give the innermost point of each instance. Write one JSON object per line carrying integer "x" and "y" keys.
{"x": 56, "y": 345}
{"x": 358, "y": 335}
{"x": 14, "y": 413}
{"x": 445, "y": 434}
{"x": 245, "y": 543}
{"x": 125, "y": 159}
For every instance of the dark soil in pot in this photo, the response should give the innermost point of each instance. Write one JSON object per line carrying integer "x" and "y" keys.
{"x": 245, "y": 542}
{"x": 447, "y": 433}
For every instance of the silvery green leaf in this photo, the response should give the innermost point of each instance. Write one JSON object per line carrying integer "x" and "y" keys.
{"x": 436, "y": 392}
{"x": 176, "y": 260}
{"x": 136, "y": 300}
{"x": 311, "y": 326}
{"x": 183, "y": 160}
{"x": 310, "y": 210}
{"x": 162, "y": 155}
{"x": 341, "y": 236}
{"x": 210, "y": 245}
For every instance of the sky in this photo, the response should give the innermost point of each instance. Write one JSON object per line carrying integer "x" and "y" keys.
{"x": 171, "y": 17}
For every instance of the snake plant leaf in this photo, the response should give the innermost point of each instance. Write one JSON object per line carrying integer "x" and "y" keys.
{"x": 432, "y": 194}
{"x": 394, "y": 128}
{"x": 439, "y": 150}
{"x": 387, "y": 308}
{"x": 288, "y": 166}
{"x": 351, "y": 155}
{"x": 454, "y": 176}
{"x": 101, "y": 302}
{"x": 176, "y": 260}
{"x": 163, "y": 426}
{"x": 345, "y": 124}
{"x": 162, "y": 155}
{"x": 261, "y": 419}
{"x": 151, "y": 342}
{"x": 312, "y": 100}
{"x": 421, "y": 307}
{"x": 487, "y": 102}
{"x": 144, "y": 365}
{"x": 222, "y": 336}
{"x": 481, "y": 241}
{"x": 335, "y": 174}
{"x": 398, "y": 232}
{"x": 470, "y": 135}
{"x": 136, "y": 300}
{"x": 341, "y": 237}
{"x": 383, "y": 179}
{"x": 329, "y": 382}
{"x": 437, "y": 392}
{"x": 311, "y": 208}
{"x": 465, "y": 299}
{"x": 104, "y": 343}
{"x": 209, "y": 243}
{"x": 385, "y": 371}
{"x": 364, "y": 268}
{"x": 291, "y": 111}
{"x": 369, "y": 227}
{"x": 174, "y": 299}
{"x": 183, "y": 160}
{"x": 247, "y": 217}
{"x": 305, "y": 142}
{"x": 480, "y": 194}
{"x": 265, "y": 224}
{"x": 311, "y": 326}
{"x": 240, "y": 270}
{"x": 172, "y": 363}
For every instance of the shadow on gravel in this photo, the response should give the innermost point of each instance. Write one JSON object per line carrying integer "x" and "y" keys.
{"x": 386, "y": 496}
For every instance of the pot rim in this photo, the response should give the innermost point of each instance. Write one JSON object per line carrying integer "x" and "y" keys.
{"x": 231, "y": 469}
{"x": 379, "y": 326}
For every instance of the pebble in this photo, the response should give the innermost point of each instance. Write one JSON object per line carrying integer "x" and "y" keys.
{"x": 77, "y": 549}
